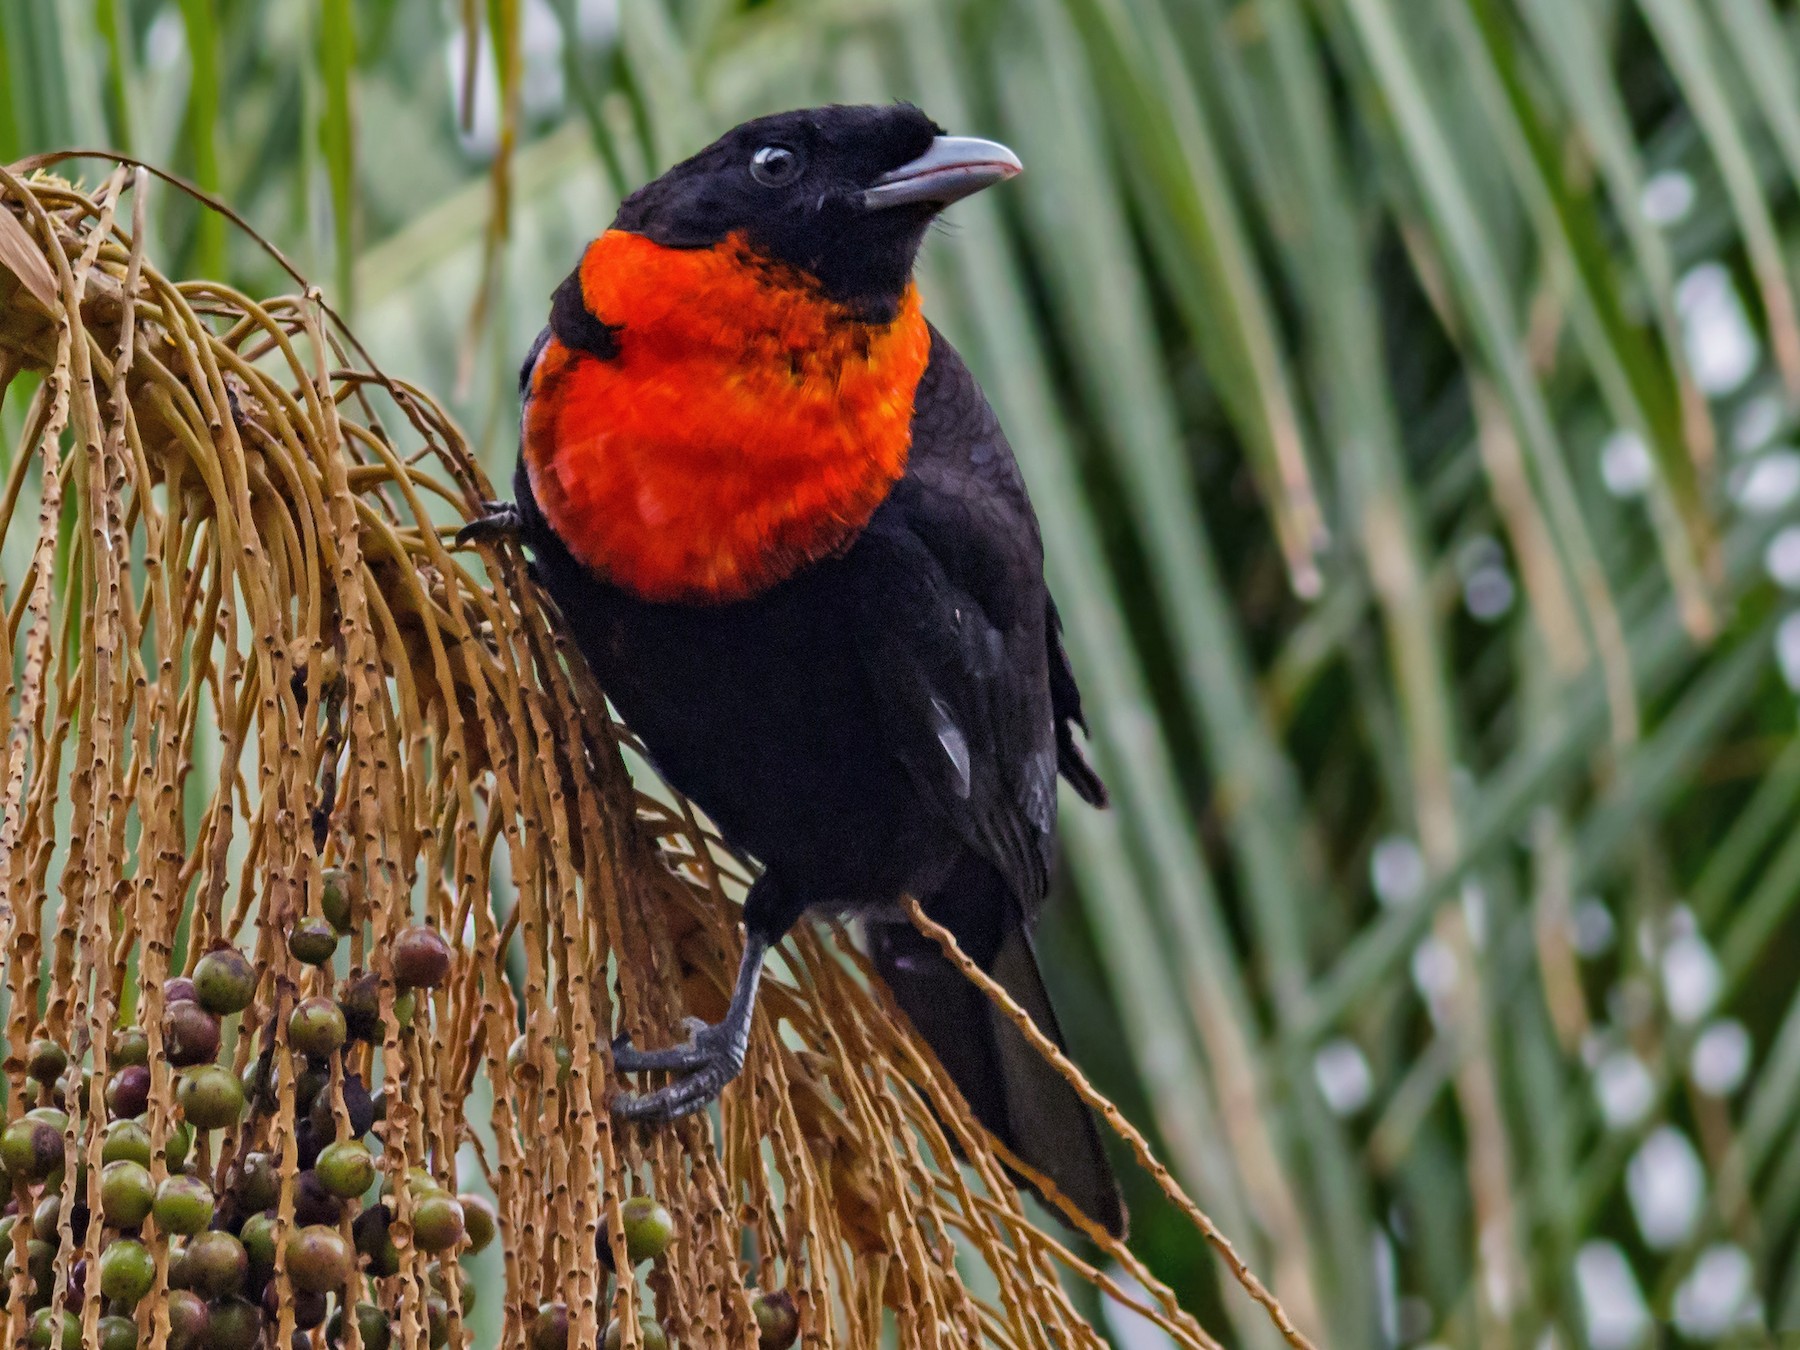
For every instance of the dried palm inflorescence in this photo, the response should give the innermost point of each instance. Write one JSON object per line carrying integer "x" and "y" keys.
{"x": 257, "y": 703}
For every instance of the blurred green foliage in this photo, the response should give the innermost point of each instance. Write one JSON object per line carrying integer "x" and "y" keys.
{"x": 1406, "y": 389}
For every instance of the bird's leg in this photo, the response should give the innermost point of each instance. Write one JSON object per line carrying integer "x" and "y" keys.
{"x": 501, "y": 521}
{"x": 711, "y": 1057}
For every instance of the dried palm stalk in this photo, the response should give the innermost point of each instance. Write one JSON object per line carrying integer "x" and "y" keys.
{"x": 244, "y": 652}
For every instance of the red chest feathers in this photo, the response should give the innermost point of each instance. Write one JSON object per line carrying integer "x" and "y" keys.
{"x": 746, "y": 427}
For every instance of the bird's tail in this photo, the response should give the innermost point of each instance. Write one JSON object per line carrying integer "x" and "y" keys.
{"x": 1017, "y": 1094}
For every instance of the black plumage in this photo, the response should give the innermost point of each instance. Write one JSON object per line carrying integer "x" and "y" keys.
{"x": 887, "y": 721}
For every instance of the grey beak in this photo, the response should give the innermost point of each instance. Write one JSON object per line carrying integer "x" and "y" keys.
{"x": 950, "y": 170}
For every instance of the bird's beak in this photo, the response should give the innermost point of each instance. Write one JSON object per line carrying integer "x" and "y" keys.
{"x": 950, "y": 170}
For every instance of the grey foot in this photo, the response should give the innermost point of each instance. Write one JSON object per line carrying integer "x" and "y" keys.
{"x": 502, "y": 521}
{"x": 709, "y": 1059}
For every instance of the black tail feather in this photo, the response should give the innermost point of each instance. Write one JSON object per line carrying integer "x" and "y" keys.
{"x": 1012, "y": 1089}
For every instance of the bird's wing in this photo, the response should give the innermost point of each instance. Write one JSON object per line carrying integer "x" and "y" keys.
{"x": 954, "y": 633}
{"x": 1065, "y": 706}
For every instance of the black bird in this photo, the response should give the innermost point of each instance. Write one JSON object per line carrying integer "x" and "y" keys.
{"x": 790, "y": 538}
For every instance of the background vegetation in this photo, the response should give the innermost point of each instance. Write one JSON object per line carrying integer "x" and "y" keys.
{"x": 1405, "y": 387}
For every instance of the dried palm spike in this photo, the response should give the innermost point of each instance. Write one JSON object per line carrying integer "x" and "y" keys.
{"x": 250, "y": 680}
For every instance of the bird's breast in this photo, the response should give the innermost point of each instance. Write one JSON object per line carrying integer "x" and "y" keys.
{"x": 745, "y": 426}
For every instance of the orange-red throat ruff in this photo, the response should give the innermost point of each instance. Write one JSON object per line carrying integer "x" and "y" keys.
{"x": 748, "y": 424}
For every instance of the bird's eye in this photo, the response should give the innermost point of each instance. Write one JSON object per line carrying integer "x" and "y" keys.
{"x": 775, "y": 166}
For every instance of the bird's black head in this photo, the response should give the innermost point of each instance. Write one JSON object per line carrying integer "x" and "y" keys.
{"x": 845, "y": 194}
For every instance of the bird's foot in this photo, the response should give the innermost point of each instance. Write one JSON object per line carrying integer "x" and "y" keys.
{"x": 711, "y": 1057}
{"x": 501, "y": 521}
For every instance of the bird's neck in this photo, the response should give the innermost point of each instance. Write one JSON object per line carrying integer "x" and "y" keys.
{"x": 745, "y": 426}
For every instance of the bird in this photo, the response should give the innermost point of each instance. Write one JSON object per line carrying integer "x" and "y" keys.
{"x": 788, "y": 535}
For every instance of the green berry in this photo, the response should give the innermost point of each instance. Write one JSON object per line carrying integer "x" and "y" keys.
{"x": 46, "y": 1218}
{"x": 437, "y": 1222}
{"x": 45, "y": 1061}
{"x": 650, "y": 1335}
{"x": 318, "y": 1259}
{"x": 406, "y": 1006}
{"x": 215, "y": 1265}
{"x": 178, "y": 1144}
{"x": 126, "y": 1141}
{"x": 53, "y": 1116}
{"x": 126, "y": 1193}
{"x": 234, "y": 1324}
{"x": 55, "y": 1327}
{"x": 777, "y": 1320}
{"x": 183, "y": 1205}
{"x": 648, "y": 1228}
{"x": 118, "y": 1333}
{"x": 32, "y": 1149}
{"x": 438, "y": 1277}
{"x": 550, "y": 1330}
{"x": 420, "y": 1182}
{"x": 334, "y": 899}
{"x": 210, "y": 1096}
{"x": 346, "y": 1169}
{"x": 130, "y": 1046}
{"x": 518, "y": 1058}
{"x": 224, "y": 981}
{"x": 385, "y": 1259}
{"x": 479, "y": 1221}
{"x": 258, "y": 1237}
{"x": 257, "y": 1080}
{"x": 314, "y": 942}
{"x": 40, "y": 1263}
{"x": 259, "y": 1182}
{"x": 127, "y": 1270}
{"x": 316, "y": 1028}
{"x": 372, "y": 1327}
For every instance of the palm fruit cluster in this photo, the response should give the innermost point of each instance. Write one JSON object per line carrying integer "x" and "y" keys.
{"x": 191, "y": 1208}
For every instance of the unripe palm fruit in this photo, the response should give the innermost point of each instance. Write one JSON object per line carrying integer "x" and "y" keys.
{"x": 346, "y": 1169}
{"x": 184, "y": 1205}
{"x": 316, "y": 1028}
{"x": 224, "y": 981}
{"x": 210, "y": 1096}
{"x": 127, "y": 1270}
{"x": 437, "y": 1221}
{"x": 777, "y": 1320}
{"x": 318, "y": 1259}
{"x": 45, "y": 1061}
{"x": 313, "y": 942}
{"x": 126, "y": 1193}
{"x": 648, "y": 1228}
{"x": 550, "y": 1330}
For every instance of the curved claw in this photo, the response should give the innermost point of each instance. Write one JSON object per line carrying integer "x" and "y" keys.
{"x": 681, "y": 1098}
{"x": 712, "y": 1056}
{"x": 502, "y": 521}
{"x": 692, "y": 1053}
